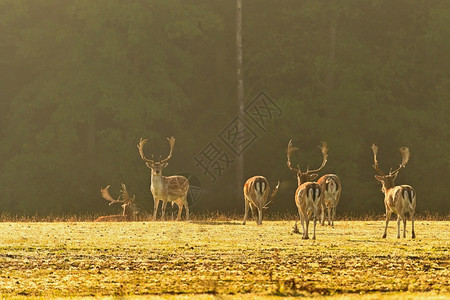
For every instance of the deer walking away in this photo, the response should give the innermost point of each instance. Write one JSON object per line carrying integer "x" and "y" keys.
{"x": 256, "y": 192}
{"x": 331, "y": 187}
{"x": 309, "y": 195}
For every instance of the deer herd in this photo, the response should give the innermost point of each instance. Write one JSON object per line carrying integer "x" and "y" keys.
{"x": 313, "y": 199}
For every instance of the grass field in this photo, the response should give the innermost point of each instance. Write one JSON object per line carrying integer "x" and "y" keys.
{"x": 223, "y": 259}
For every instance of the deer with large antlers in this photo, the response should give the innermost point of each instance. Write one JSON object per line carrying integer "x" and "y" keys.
{"x": 130, "y": 209}
{"x": 309, "y": 195}
{"x": 399, "y": 199}
{"x": 331, "y": 187}
{"x": 166, "y": 188}
{"x": 256, "y": 192}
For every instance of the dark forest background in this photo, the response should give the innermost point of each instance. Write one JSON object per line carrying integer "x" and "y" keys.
{"x": 82, "y": 81}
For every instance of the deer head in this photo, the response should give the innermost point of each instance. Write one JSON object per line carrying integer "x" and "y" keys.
{"x": 309, "y": 175}
{"x": 129, "y": 207}
{"x": 388, "y": 180}
{"x": 156, "y": 166}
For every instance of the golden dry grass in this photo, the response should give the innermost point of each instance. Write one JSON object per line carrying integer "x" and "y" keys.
{"x": 222, "y": 258}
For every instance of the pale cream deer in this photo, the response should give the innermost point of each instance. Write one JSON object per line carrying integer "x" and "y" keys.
{"x": 308, "y": 196}
{"x": 256, "y": 192}
{"x": 130, "y": 209}
{"x": 166, "y": 188}
{"x": 331, "y": 187}
{"x": 399, "y": 199}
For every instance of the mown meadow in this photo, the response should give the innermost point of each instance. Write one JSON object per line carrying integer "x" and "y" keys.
{"x": 222, "y": 258}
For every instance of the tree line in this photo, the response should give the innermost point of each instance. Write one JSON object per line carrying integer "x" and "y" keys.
{"x": 83, "y": 81}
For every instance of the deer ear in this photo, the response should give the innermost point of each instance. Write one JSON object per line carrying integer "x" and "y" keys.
{"x": 313, "y": 176}
{"x": 149, "y": 165}
{"x": 165, "y": 164}
{"x": 379, "y": 178}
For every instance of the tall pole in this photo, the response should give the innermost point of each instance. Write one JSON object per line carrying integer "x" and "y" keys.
{"x": 329, "y": 81}
{"x": 240, "y": 98}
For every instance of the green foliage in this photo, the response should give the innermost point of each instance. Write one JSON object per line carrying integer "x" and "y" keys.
{"x": 82, "y": 81}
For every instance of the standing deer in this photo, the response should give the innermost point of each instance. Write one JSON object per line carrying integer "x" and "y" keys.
{"x": 309, "y": 195}
{"x": 256, "y": 191}
{"x": 331, "y": 187}
{"x": 399, "y": 199}
{"x": 166, "y": 188}
{"x": 129, "y": 208}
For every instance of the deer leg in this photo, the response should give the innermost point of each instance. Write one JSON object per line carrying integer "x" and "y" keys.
{"x": 401, "y": 217}
{"x": 333, "y": 215}
{"x": 322, "y": 215}
{"x": 404, "y": 227}
{"x": 246, "y": 211}
{"x": 180, "y": 209}
{"x": 259, "y": 222}
{"x": 388, "y": 216}
{"x": 315, "y": 221}
{"x": 251, "y": 209}
{"x": 304, "y": 228}
{"x": 329, "y": 208}
{"x": 163, "y": 210}
{"x": 155, "y": 208}
{"x": 302, "y": 221}
{"x": 186, "y": 207}
{"x": 413, "y": 234}
{"x": 305, "y": 232}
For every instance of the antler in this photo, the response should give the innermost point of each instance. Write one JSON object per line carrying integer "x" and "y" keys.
{"x": 375, "y": 161}
{"x": 291, "y": 149}
{"x": 125, "y": 196}
{"x": 272, "y": 195}
{"x": 141, "y": 150}
{"x": 107, "y": 196}
{"x": 405, "y": 158}
{"x": 324, "y": 150}
{"x": 171, "y": 141}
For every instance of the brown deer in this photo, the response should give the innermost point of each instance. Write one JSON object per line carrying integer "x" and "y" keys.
{"x": 129, "y": 208}
{"x": 256, "y": 191}
{"x": 399, "y": 199}
{"x": 331, "y": 187}
{"x": 309, "y": 195}
{"x": 166, "y": 188}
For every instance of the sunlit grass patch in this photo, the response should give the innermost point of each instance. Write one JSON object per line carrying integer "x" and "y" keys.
{"x": 222, "y": 257}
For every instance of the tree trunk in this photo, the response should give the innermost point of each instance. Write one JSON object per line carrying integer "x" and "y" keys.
{"x": 329, "y": 84}
{"x": 240, "y": 99}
